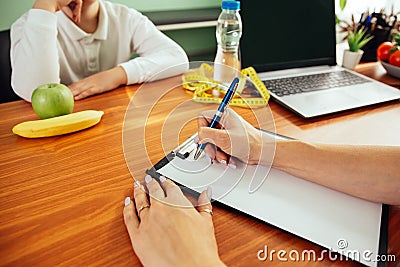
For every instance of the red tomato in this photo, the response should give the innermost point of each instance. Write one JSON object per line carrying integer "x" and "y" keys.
{"x": 394, "y": 58}
{"x": 383, "y": 51}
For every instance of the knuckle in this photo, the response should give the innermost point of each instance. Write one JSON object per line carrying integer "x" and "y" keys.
{"x": 128, "y": 215}
{"x": 138, "y": 193}
{"x": 173, "y": 189}
{"x": 155, "y": 189}
{"x": 152, "y": 185}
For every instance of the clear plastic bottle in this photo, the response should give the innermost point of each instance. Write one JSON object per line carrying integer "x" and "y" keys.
{"x": 228, "y": 33}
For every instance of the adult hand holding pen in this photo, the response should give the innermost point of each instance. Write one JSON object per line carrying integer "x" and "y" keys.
{"x": 236, "y": 138}
{"x": 366, "y": 171}
{"x": 220, "y": 112}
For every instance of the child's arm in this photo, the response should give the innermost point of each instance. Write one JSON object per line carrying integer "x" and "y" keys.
{"x": 34, "y": 54}
{"x": 157, "y": 53}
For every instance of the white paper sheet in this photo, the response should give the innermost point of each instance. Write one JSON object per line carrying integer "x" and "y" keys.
{"x": 311, "y": 211}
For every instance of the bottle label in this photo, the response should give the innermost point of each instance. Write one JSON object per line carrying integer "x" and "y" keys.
{"x": 229, "y": 33}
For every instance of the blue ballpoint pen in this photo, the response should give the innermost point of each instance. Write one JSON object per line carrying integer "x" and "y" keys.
{"x": 221, "y": 109}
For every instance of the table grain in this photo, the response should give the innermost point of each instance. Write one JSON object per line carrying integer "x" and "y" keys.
{"x": 61, "y": 198}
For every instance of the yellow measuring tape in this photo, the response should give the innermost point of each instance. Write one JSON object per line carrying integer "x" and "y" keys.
{"x": 250, "y": 94}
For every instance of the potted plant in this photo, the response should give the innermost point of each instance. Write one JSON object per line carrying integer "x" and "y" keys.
{"x": 356, "y": 41}
{"x": 344, "y": 27}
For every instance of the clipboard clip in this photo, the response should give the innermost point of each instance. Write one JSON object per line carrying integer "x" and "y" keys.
{"x": 181, "y": 152}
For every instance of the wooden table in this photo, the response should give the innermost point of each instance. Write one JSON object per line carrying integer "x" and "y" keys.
{"x": 61, "y": 198}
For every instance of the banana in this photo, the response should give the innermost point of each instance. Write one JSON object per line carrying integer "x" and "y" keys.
{"x": 58, "y": 125}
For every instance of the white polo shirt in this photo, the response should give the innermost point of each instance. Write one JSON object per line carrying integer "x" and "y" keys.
{"x": 50, "y": 48}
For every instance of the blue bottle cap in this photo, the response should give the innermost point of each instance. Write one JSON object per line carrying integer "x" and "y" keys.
{"x": 231, "y": 5}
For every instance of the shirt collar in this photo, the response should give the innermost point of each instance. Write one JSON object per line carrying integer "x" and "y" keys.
{"x": 77, "y": 33}
{"x": 102, "y": 28}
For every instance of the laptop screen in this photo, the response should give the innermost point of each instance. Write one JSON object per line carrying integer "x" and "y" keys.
{"x": 287, "y": 34}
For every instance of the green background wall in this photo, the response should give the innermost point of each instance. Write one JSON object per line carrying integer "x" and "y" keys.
{"x": 10, "y": 10}
{"x": 199, "y": 43}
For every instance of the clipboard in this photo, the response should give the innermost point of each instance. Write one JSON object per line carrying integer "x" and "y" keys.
{"x": 341, "y": 223}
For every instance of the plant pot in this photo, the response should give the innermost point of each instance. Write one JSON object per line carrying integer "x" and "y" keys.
{"x": 351, "y": 59}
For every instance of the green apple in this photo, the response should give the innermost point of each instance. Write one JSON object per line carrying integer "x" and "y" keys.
{"x": 52, "y": 100}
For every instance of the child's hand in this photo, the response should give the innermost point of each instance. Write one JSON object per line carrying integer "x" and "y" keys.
{"x": 71, "y": 7}
{"x": 99, "y": 83}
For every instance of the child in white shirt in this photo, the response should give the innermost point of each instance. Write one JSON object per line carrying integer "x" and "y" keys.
{"x": 87, "y": 45}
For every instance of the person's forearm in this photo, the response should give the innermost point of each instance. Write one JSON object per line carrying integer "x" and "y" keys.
{"x": 368, "y": 172}
{"x": 34, "y": 54}
{"x": 117, "y": 77}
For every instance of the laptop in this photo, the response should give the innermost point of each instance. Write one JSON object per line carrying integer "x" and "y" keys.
{"x": 292, "y": 46}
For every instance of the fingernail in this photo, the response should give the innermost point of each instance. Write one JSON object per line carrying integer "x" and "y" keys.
{"x": 209, "y": 192}
{"x": 222, "y": 161}
{"x": 208, "y": 158}
{"x": 127, "y": 201}
{"x": 136, "y": 184}
{"x": 148, "y": 179}
{"x": 196, "y": 139}
{"x": 232, "y": 166}
{"x": 162, "y": 179}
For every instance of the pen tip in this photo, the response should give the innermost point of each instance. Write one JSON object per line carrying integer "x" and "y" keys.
{"x": 197, "y": 154}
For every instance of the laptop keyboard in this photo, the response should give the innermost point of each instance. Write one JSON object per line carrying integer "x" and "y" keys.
{"x": 313, "y": 82}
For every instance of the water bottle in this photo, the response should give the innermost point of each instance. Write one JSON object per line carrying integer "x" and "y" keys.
{"x": 228, "y": 33}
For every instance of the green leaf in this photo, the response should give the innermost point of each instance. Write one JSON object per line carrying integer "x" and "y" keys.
{"x": 358, "y": 39}
{"x": 397, "y": 38}
{"x": 364, "y": 42}
{"x": 343, "y": 4}
{"x": 395, "y": 48}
